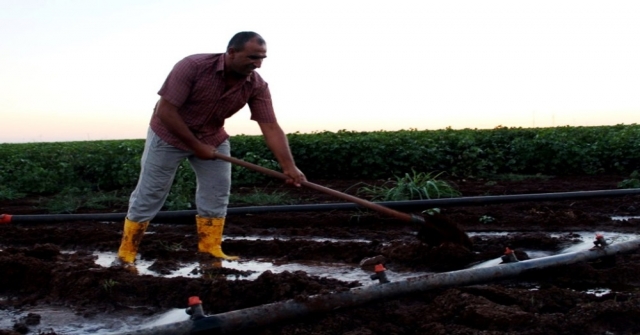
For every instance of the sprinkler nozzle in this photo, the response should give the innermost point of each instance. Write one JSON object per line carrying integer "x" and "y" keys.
{"x": 600, "y": 242}
{"x": 195, "y": 308}
{"x": 380, "y": 274}
{"x": 509, "y": 256}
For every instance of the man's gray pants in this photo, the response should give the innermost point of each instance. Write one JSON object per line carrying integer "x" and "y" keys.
{"x": 159, "y": 164}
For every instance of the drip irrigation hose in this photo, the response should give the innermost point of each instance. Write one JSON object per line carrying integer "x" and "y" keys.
{"x": 172, "y": 216}
{"x": 248, "y": 318}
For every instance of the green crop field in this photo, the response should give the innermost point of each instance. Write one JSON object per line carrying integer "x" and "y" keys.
{"x": 111, "y": 167}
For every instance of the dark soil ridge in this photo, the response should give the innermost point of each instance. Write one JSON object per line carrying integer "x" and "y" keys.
{"x": 551, "y": 301}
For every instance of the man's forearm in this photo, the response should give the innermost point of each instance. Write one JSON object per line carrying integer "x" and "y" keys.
{"x": 168, "y": 114}
{"x": 279, "y": 145}
{"x": 277, "y": 142}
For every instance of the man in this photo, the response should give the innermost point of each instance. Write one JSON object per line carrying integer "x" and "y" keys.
{"x": 198, "y": 95}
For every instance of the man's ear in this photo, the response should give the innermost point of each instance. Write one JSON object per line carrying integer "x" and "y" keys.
{"x": 231, "y": 52}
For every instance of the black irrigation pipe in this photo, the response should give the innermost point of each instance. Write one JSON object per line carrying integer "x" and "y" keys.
{"x": 245, "y": 320}
{"x": 172, "y": 216}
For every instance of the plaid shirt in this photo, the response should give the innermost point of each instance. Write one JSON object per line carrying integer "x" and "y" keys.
{"x": 196, "y": 86}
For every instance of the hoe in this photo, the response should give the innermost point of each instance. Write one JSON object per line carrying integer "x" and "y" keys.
{"x": 434, "y": 230}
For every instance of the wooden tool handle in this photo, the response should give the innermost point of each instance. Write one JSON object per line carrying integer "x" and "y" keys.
{"x": 326, "y": 190}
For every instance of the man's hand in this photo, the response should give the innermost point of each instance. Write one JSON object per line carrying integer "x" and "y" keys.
{"x": 296, "y": 177}
{"x": 170, "y": 117}
{"x": 205, "y": 151}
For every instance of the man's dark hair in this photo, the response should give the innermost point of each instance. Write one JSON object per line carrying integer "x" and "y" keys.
{"x": 238, "y": 40}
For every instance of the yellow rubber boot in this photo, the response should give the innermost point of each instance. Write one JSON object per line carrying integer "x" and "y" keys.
{"x": 210, "y": 237}
{"x": 131, "y": 238}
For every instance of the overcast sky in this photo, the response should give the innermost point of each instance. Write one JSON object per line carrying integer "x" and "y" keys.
{"x": 91, "y": 69}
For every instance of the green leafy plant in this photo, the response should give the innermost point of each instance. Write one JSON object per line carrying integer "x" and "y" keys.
{"x": 105, "y": 200}
{"x": 486, "y": 219}
{"x": 7, "y": 193}
{"x": 67, "y": 201}
{"x": 417, "y": 185}
{"x": 108, "y": 284}
{"x": 632, "y": 182}
{"x": 43, "y": 169}
{"x": 171, "y": 246}
{"x": 244, "y": 176}
{"x": 431, "y": 211}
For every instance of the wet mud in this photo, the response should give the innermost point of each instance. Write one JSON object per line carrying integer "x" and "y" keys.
{"x": 54, "y": 264}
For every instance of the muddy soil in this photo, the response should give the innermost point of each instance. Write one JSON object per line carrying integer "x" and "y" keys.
{"x": 52, "y": 264}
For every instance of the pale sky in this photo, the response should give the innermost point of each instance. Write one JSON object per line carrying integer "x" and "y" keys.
{"x": 91, "y": 69}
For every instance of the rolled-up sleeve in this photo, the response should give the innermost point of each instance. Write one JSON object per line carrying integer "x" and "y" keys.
{"x": 177, "y": 86}
{"x": 261, "y": 106}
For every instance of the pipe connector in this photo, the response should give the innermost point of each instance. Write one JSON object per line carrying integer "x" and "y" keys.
{"x": 195, "y": 308}
{"x": 380, "y": 275}
{"x": 600, "y": 242}
{"x": 509, "y": 256}
{"x": 5, "y": 218}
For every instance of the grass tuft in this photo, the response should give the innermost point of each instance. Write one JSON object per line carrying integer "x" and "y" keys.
{"x": 7, "y": 193}
{"x": 414, "y": 186}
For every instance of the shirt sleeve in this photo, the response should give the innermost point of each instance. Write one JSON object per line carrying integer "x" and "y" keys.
{"x": 261, "y": 106}
{"x": 177, "y": 86}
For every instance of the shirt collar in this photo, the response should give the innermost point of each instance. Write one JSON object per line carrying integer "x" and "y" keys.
{"x": 220, "y": 67}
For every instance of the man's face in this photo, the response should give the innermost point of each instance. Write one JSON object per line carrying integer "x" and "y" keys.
{"x": 248, "y": 59}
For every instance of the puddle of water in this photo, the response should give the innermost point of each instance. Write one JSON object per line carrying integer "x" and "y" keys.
{"x": 624, "y": 218}
{"x": 587, "y": 239}
{"x": 5, "y": 318}
{"x": 289, "y": 238}
{"x": 337, "y": 271}
{"x": 586, "y": 242}
{"x": 171, "y": 316}
{"x": 344, "y": 272}
{"x": 538, "y": 253}
{"x": 492, "y": 262}
{"x": 492, "y": 233}
{"x": 105, "y": 259}
{"x": 598, "y": 292}
{"x": 65, "y": 321}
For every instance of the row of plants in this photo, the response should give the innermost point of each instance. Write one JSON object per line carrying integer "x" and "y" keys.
{"x": 471, "y": 152}
{"x": 113, "y": 166}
